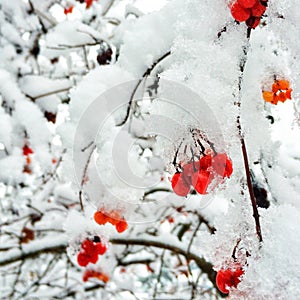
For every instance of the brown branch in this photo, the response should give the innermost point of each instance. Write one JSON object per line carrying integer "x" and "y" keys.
{"x": 48, "y": 94}
{"x": 32, "y": 252}
{"x": 243, "y": 144}
{"x": 205, "y": 266}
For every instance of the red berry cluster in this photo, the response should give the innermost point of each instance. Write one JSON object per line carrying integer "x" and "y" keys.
{"x": 90, "y": 251}
{"x": 229, "y": 278}
{"x": 200, "y": 174}
{"x": 281, "y": 91}
{"x": 249, "y": 11}
{"x": 113, "y": 218}
{"x": 94, "y": 274}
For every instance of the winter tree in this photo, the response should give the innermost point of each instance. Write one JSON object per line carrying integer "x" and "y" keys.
{"x": 148, "y": 149}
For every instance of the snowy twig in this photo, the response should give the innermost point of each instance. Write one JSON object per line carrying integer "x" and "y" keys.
{"x": 84, "y": 174}
{"x": 162, "y": 258}
{"x": 145, "y": 75}
{"x": 205, "y": 266}
{"x": 34, "y": 249}
{"x": 48, "y": 94}
{"x": 243, "y": 144}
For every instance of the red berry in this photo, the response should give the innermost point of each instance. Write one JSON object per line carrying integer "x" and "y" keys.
{"x": 93, "y": 255}
{"x": 27, "y": 150}
{"x": 100, "y": 218}
{"x": 222, "y": 165}
{"x": 205, "y": 162}
{"x": 202, "y": 181}
{"x": 171, "y": 220}
{"x": 83, "y": 259}
{"x": 258, "y": 10}
{"x": 121, "y": 226}
{"x": 88, "y": 3}
{"x": 253, "y": 22}
{"x": 179, "y": 185}
{"x": 87, "y": 245}
{"x": 101, "y": 248}
{"x": 114, "y": 218}
{"x": 247, "y": 3}
{"x": 240, "y": 13}
{"x": 190, "y": 169}
{"x": 68, "y": 10}
{"x": 228, "y": 278}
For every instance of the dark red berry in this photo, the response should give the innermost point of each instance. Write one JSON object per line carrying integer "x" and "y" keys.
{"x": 253, "y": 22}
{"x": 83, "y": 259}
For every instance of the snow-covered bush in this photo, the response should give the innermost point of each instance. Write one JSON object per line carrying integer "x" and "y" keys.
{"x": 148, "y": 149}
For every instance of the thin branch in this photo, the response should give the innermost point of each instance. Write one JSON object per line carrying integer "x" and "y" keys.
{"x": 159, "y": 274}
{"x": 243, "y": 144}
{"x": 205, "y": 266}
{"x": 145, "y": 75}
{"x": 34, "y": 249}
{"x": 84, "y": 174}
{"x": 48, "y": 94}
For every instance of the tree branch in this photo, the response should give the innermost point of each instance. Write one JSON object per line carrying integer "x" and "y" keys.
{"x": 205, "y": 266}
{"x": 243, "y": 144}
{"x": 147, "y": 73}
